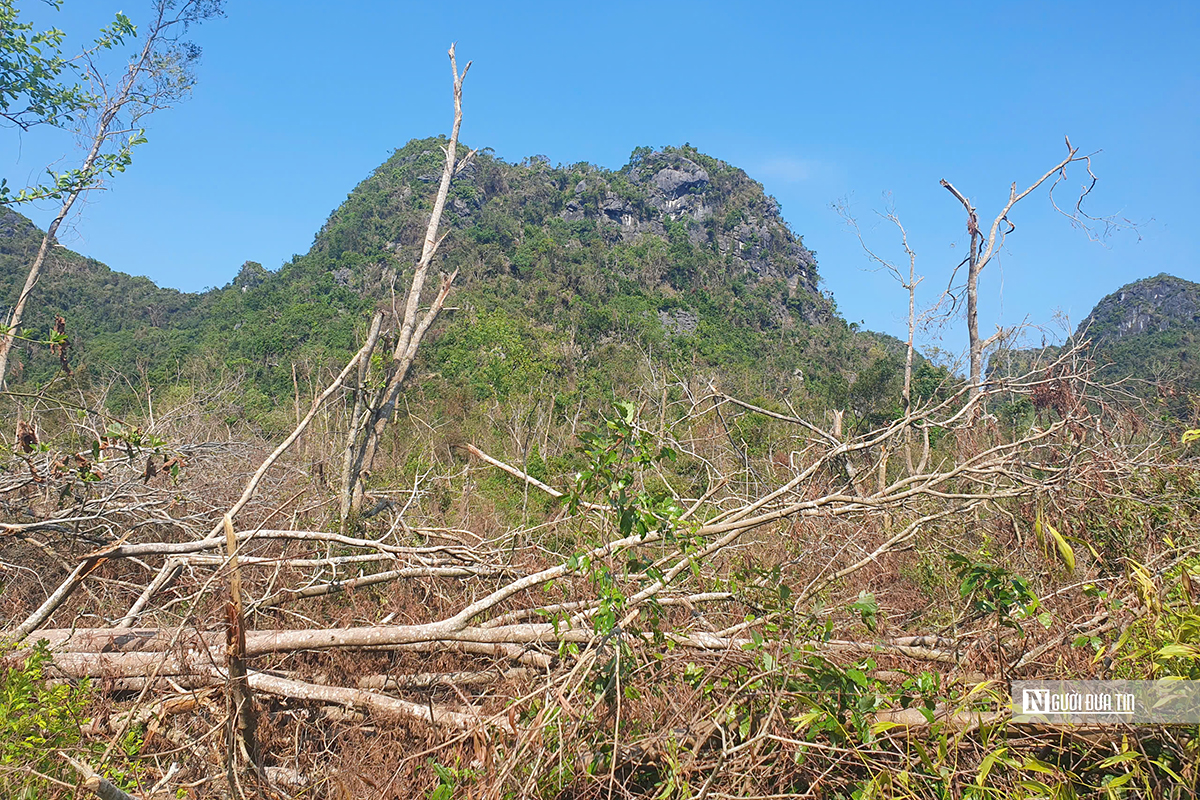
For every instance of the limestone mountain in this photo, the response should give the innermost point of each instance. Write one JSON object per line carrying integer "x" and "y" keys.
{"x": 1146, "y": 307}
{"x": 1148, "y": 330}
{"x": 572, "y": 280}
{"x": 673, "y": 220}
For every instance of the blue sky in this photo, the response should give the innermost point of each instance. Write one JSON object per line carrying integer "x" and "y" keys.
{"x": 298, "y": 101}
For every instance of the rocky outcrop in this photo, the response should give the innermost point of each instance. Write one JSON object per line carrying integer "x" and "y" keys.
{"x": 1151, "y": 304}
{"x": 1147, "y": 331}
{"x": 720, "y": 228}
{"x": 251, "y": 274}
{"x": 675, "y": 186}
{"x": 14, "y": 225}
{"x": 753, "y": 236}
{"x": 674, "y": 182}
{"x": 573, "y": 211}
{"x": 679, "y": 321}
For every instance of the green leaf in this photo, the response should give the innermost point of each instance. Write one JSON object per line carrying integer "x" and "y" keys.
{"x": 924, "y": 755}
{"x": 1178, "y": 778}
{"x": 1178, "y": 651}
{"x": 988, "y": 762}
{"x": 1064, "y": 549}
{"x": 867, "y": 607}
{"x": 1121, "y": 758}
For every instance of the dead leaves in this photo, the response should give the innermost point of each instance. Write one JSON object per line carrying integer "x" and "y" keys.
{"x": 59, "y": 343}
{"x": 27, "y": 438}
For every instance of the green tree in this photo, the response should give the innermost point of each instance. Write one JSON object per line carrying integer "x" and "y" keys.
{"x": 35, "y": 89}
{"x": 37, "y": 719}
{"x": 40, "y": 85}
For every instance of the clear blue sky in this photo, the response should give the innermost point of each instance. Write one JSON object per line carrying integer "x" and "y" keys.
{"x": 297, "y": 101}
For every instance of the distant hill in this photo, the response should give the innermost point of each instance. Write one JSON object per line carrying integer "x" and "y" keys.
{"x": 115, "y": 320}
{"x": 572, "y": 280}
{"x": 1146, "y": 307}
{"x": 1148, "y": 330}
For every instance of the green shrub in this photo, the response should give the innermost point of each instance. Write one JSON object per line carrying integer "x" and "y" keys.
{"x": 37, "y": 719}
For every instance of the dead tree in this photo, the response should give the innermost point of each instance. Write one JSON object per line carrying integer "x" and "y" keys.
{"x": 241, "y": 745}
{"x": 909, "y": 284}
{"x": 372, "y": 410}
{"x": 983, "y": 249}
{"x": 1004, "y": 470}
{"x": 915, "y": 318}
{"x": 552, "y": 643}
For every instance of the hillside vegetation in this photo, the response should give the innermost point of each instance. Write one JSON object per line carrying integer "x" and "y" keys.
{"x": 1150, "y": 329}
{"x": 571, "y": 277}
{"x": 1145, "y": 335}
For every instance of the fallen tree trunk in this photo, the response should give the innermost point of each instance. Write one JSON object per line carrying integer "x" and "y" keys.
{"x": 201, "y": 652}
{"x": 374, "y": 702}
{"x": 210, "y": 675}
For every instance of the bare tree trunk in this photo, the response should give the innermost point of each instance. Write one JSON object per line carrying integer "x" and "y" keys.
{"x": 976, "y": 350}
{"x": 371, "y": 415}
{"x": 241, "y": 750}
{"x": 56, "y": 599}
{"x": 906, "y": 393}
{"x": 974, "y": 265}
{"x": 35, "y": 269}
{"x": 354, "y": 429}
{"x": 908, "y": 354}
{"x": 909, "y": 284}
{"x": 95, "y": 783}
{"x": 982, "y": 251}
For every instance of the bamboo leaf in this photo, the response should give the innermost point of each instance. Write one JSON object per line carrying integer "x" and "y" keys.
{"x": 1159, "y": 763}
{"x": 1064, "y": 549}
{"x": 988, "y": 762}
{"x": 924, "y": 755}
{"x": 1122, "y": 640}
{"x": 1178, "y": 651}
{"x": 1037, "y": 765}
{"x": 1112, "y": 761}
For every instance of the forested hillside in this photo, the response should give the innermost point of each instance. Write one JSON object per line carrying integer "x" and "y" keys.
{"x": 1149, "y": 329}
{"x": 115, "y": 321}
{"x": 560, "y": 482}
{"x": 571, "y": 278}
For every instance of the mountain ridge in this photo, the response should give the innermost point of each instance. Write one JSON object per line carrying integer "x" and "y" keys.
{"x": 1154, "y": 304}
{"x": 574, "y": 277}
{"x": 676, "y": 250}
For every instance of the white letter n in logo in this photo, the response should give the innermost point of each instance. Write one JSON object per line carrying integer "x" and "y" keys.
{"x": 1036, "y": 701}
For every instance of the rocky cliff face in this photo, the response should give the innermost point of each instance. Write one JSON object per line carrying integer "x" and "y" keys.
{"x": 1150, "y": 305}
{"x": 14, "y": 226}
{"x": 672, "y": 220}
{"x": 725, "y": 211}
{"x": 570, "y": 276}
